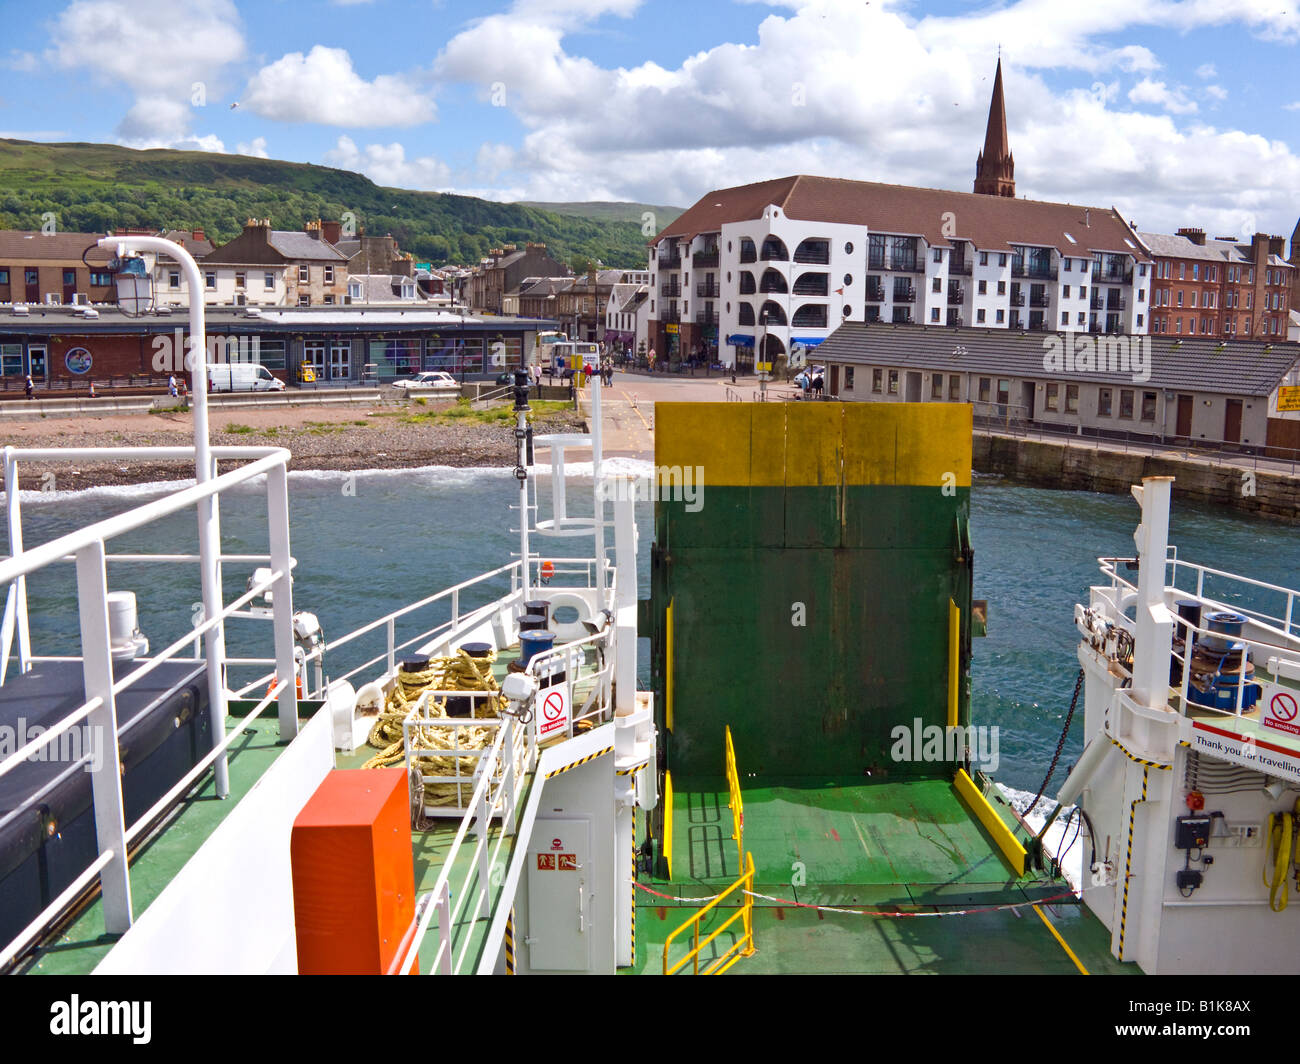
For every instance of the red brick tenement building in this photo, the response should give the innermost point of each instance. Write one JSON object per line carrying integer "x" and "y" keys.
{"x": 1220, "y": 287}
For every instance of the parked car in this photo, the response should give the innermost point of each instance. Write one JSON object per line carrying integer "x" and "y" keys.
{"x": 426, "y": 381}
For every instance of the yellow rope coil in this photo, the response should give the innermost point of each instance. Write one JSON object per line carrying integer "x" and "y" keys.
{"x": 457, "y": 673}
{"x": 1280, "y": 842}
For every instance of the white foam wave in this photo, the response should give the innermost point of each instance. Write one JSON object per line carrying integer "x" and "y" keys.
{"x": 1072, "y": 859}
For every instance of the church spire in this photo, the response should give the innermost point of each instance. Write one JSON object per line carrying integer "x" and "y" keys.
{"x": 995, "y": 169}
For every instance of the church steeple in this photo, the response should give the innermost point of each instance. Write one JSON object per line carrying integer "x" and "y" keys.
{"x": 995, "y": 169}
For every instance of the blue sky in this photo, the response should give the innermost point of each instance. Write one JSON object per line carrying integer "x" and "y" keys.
{"x": 1180, "y": 112}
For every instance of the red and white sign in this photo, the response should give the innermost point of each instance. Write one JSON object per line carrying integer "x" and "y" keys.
{"x": 546, "y": 862}
{"x": 1281, "y": 710}
{"x": 568, "y": 862}
{"x": 1259, "y": 754}
{"x": 552, "y": 715}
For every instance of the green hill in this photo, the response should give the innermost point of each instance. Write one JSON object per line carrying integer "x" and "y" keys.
{"x": 613, "y": 211}
{"x": 99, "y": 187}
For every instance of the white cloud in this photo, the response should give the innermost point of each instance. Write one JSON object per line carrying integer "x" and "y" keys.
{"x": 1206, "y": 71}
{"x": 1158, "y": 93}
{"x": 23, "y": 62}
{"x": 1292, "y": 106}
{"x": 322, "y": 87}
{"x": 256, "y": 148}
{"x": 738, "y": 113}
{"x": 1216, "y": 91}
{"x": 167, "y": 62}
{"x": 387, "y": 164}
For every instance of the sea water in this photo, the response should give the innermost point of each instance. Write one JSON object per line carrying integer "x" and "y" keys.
{"x": 370, "y": 543}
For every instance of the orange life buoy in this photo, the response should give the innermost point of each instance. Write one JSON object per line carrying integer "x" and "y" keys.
{"x": 548, "y": 571}
{"x": 297, "y": 676}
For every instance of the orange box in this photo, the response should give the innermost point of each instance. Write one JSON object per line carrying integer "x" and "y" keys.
{"x": 353, "y": 873}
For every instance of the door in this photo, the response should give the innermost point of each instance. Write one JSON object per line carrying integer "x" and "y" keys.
{"x": 1027, "y": 399}
{"x": 913, "y": 387}
{"x": 559, "y": 896}
{"x": 340, "y": 361}
{"x": 36, "y": 361}
{"x": 835, "y": 380}
{"x": 32, "y": 282}
{"x": 69, "y": 286}
{"x": 1232, "y": 422}
{"x": 1184, "y": 425}
{"x": 315, "y": 354}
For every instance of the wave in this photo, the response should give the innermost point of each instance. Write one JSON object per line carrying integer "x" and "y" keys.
{"x": 1069, "y": 851}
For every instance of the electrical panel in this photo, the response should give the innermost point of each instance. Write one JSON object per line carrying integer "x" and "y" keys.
{"x": 1192, "y": 832}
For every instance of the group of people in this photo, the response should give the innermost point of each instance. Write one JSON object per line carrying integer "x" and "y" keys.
{"x": 29, "y": 388}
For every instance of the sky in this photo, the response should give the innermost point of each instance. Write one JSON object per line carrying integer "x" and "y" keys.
{"x": 1178, "y": 112}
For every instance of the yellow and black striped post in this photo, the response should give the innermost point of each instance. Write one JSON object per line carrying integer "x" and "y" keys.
{"x": 510, "y": 943}
{"x": 1128, "y": 860}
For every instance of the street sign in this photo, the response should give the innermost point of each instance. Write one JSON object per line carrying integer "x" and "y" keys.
{"x": 1288, "y": 397}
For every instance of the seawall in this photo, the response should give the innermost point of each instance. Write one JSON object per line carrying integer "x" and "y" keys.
{"x": 1074, "y": 467}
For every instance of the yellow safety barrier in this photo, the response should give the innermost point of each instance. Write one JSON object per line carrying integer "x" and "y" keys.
{"x": 736, "y": 804}
{"x": 668, "y": 666}
{"x": 668, "y": 822}
{"x": 1011, "y": 847}
{"x": 742, "y": 947}
{"x": 954, "y": 661}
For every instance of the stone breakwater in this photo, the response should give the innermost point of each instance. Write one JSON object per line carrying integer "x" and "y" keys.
{"x": 1073, "y": 467}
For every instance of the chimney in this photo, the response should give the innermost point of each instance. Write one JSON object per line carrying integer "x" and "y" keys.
{"x": 1196, "y": 236}
{"x": 333, "y": 231}
{"x": 1277, "y": 246}
{"x": 198, "y": 234}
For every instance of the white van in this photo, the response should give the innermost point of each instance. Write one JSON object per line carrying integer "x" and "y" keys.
{"x": 243, "y": 377}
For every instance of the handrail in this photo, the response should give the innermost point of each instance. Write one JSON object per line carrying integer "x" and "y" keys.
{"x": 736, "y": 803}
{"x": 743, "y": 947}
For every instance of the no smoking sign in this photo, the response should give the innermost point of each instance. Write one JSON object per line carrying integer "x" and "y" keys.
{"x": 554, "y": 716}
{"x": 1281, "y": 711}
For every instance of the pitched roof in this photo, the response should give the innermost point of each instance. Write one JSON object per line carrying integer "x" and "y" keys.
{"x": 304, "y": 246}
{"x": 1176, "y": 246}
{"x": 992, "y": 223}
{"x": 29, "y": 245}
{"x": 185, "y": 238}
{"x": 1248, "y": 367}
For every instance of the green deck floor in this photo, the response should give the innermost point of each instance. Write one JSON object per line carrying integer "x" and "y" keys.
{"x": 886, "y": 846}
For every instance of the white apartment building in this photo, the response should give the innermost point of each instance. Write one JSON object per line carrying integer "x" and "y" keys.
{"x": 763, "y": 267}
{"x": 252, "y": 285}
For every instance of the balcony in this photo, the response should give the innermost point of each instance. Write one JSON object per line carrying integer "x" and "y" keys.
{"x": 1017, "y": 299}
{"x": 1040, "y": 300}
{"x": 707, "y": 290}
{"x": 961, "y": 266}
{"x": 905, "y": 295}
{"x": 955, "y": 319}
{"x": 1037, "y": 273}
{"x": 670, "y": 290}
{"x": 1096, "y": 302}
{"x": 671, "y": 314}
{"x": 707, "y": 259}
{"x": 671, "y": 262}
{"x": 1112, "y": 275}
{"x": 706, "y": 317}
{"x": 875, "y": 294}
{"x": 906, "y": 265}
{"x": 1095, "y": 327}
{"x": 813, "y": 253}
{"x": 1017, "y": 322}
{"x": 956, "y": 293}
{"x": 1116, "y": 304}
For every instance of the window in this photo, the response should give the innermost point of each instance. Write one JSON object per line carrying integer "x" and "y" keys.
{"x": 1148, "y": 406}
{"x": 893, "y": 382}
{"x": 985, "y": 384}
{"x": 1065, "y": 317}
{"x": 1002, "y": 288}
{"x": 240, "y": 278}
{"x": 1182, "y": 271}
{"x": 954, "y": 386}
{"x": 329, "y": 300}
{"x": 1002, "y": 260}
{"x": 979, "y": 315}
{"x": 1126, "y": 403}
{"x": 1049, "y": 403}
{"x": 1001, "y": 316}
{"x": 876, "y": 251}
{"x": 1178, "y": 325}
{"x": 210, "y": 280}
{"x": 4, "y": 276}
{"x": 1081, "y": 319}
{"x": 1196, "y": 271}
{"x": 98, "y": 278}
{"x": 1065, "y": 292}
{"x": 1142, "y": 294}
{"x": 934, "y": 284}
{"x": 1103, "y": 402}
{"x": 11, "y": 360}
{"x": 983, "y": 288}
{"x": 1139, "y": 321}
{"x": 934, "y": 315}
{"x": 938, "y": 254}
{"x": 1083, "y": 291}
{"x": 1180, "y": 297}
{"x": 848, "y": 249}
{"x": 354, "y": 289}
{"x": 304, "y": 274}
{"x": 304, "y": 301}
{"x": 848, "y": 378}
{"x": 1249, "y": 300}
{"x": 174, "y": 279}
{"x": 329, "y": 274}
{"x": 1071, "y": 398}
{"x": 936, "y": 386}
{"x": 268, "y": 280}
{"x": 984, "y": 258}
{"x": 1067, "y": 270}
{"x": 877, "y": 376}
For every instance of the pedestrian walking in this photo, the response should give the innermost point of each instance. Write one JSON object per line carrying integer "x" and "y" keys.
{"x": 171, "y": 385}
{"x": 92, "y": 390}
{"x": 29, "y": 388}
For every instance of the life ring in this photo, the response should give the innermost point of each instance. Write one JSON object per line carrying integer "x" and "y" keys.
{"x": 568, "y": 631}
{"x": 548, "y": 571}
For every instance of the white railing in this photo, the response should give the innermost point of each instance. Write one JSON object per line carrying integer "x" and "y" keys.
{"x": 501, "y": 772}
{"x": 86, "y": 548}
{"x": 1265, "y": 637}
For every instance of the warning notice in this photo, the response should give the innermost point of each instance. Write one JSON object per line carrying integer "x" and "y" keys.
{"x": 1281, "y": 710}
{"x": 552, "y": 715}
{"x": 546, "y": 862}
{"x": 568, "y": 862}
